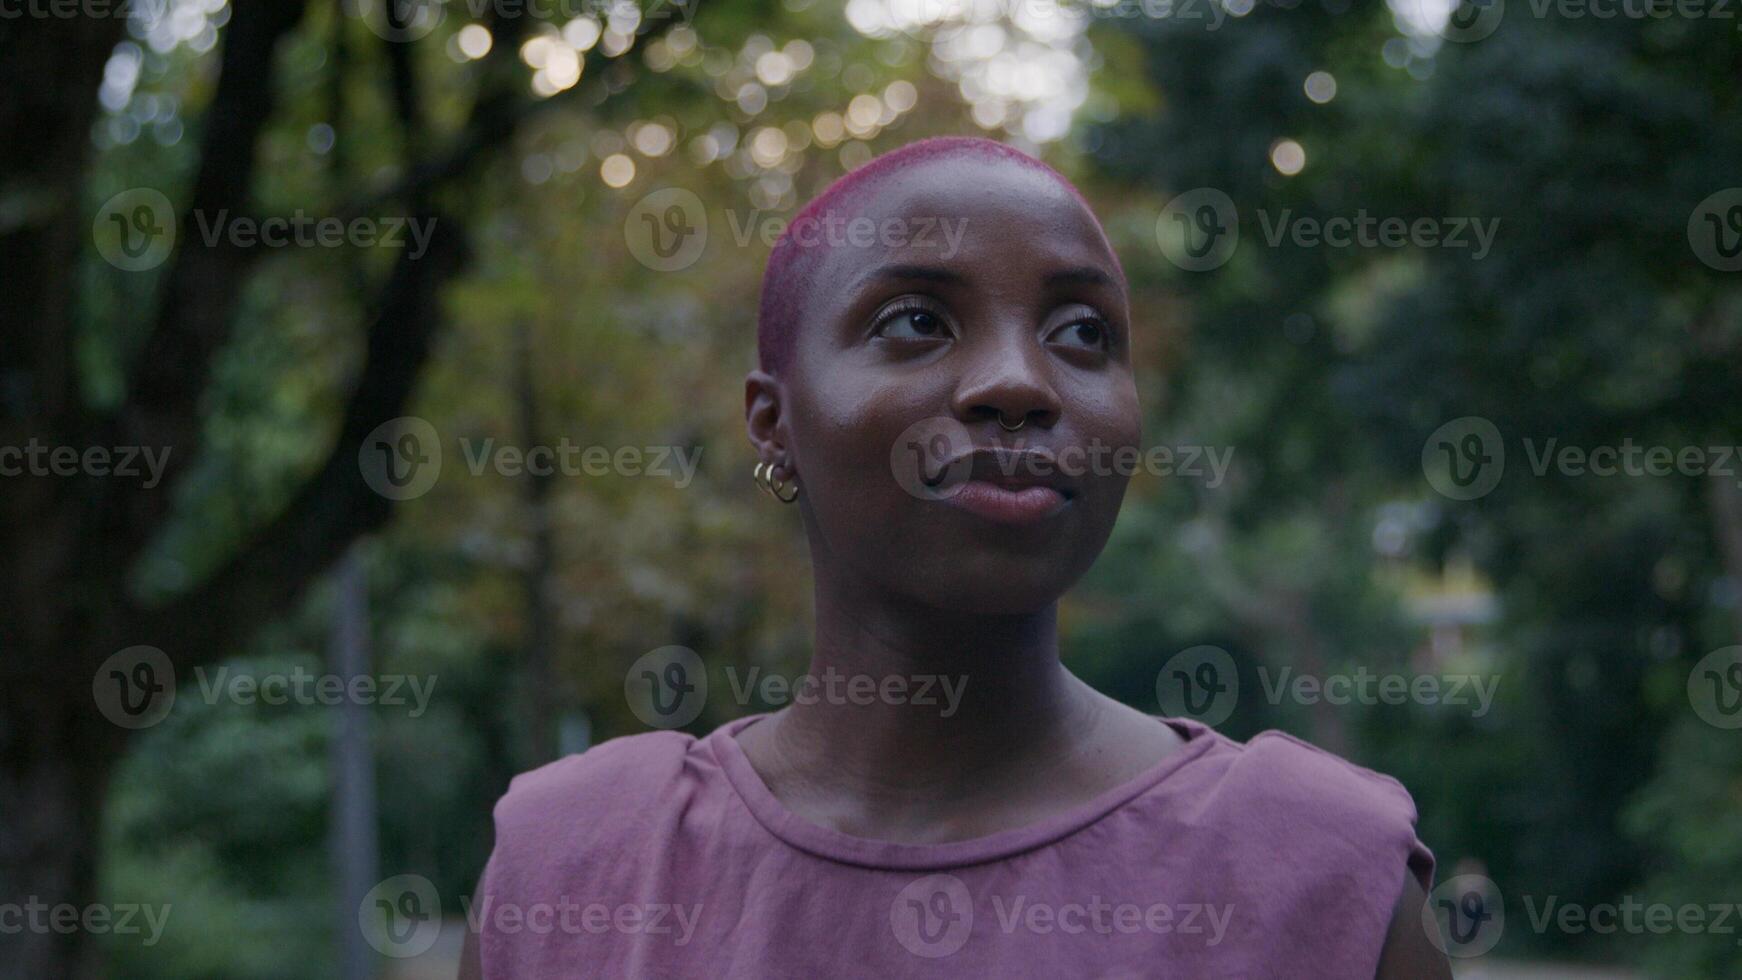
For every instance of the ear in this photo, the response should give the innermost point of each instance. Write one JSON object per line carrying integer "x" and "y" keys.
{"x": 764, "y": 421}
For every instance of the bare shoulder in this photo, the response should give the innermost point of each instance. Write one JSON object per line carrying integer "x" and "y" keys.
{"x": 1146, "y": 735}
{"x": 617, "y": 777}
{"x": 1124, "y": 742}
{"x": 1409, "y": 952}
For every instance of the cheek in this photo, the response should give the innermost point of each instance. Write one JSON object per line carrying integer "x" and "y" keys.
{"x": 845, "y": 429}
{"x": 1110, "y": 416}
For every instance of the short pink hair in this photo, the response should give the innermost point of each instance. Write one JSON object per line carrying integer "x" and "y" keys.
{"x": 786, "y": 281}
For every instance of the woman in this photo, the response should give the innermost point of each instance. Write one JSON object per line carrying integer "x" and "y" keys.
{"x": 920, "y": 400}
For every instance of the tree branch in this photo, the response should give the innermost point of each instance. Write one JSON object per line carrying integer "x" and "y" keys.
{"x": 162, "y": 408}
{"x": 49, "y": 69}
{"x": 335, "y": 505}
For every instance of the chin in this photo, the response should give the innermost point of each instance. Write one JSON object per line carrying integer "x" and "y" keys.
{"x": 945, "y": 559}
{"x": 986, "y": 599}
{"x": 991, "y": 580}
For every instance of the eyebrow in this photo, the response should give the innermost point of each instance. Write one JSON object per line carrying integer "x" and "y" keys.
{"x": 929, "y": 273}
{"x": 932, "y": 273}
{"x": 1079, "y": 274}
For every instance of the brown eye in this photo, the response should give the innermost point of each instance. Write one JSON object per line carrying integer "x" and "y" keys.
{"x": 911, "y": 321}
{"x": 1089, "y": 332}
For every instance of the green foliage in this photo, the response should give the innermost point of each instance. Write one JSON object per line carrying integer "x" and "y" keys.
{"x": 1691, "y": 815}
{"x": 1321, "y": 370}
{"x": 1592, "y": 322}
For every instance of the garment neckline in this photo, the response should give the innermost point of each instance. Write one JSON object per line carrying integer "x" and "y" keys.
{"x": 834, "y": 845}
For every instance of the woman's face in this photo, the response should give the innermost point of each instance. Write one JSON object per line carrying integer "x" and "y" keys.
{"x": 978, "y": 291}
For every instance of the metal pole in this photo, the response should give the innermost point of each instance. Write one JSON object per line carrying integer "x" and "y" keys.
{"x": 353, "y": 844}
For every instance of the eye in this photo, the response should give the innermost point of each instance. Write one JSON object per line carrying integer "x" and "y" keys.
{"x": 910, "y": 319}
{"x": 1089, "y": 332}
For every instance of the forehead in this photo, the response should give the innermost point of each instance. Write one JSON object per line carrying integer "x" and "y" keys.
{"x": 987, "y": 216}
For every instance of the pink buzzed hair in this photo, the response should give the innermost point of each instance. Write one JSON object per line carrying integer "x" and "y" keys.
{"x": 791, "y": 265}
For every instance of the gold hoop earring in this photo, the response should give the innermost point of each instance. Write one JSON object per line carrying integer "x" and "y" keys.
{"x": 763, "y": 474}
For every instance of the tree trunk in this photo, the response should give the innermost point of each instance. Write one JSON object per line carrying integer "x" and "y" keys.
{"x": 1726, "y": 506}
{"x": 54, "y": 770}
{"x": 66, "y": 546}
{"x": 355, "y": 849}
{"x": 543, "y": 695}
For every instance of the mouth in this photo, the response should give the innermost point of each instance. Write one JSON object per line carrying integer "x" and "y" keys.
{"x": 1029, "y": 505}
{"x": 1010, "y": 486}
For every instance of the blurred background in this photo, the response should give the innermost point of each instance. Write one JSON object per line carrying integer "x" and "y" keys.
{"x": 371, "y": 403}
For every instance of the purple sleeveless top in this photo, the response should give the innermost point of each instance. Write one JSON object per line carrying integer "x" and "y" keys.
{"x": 664, "y": 855}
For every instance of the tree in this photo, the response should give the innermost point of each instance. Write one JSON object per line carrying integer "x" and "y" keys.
{"x": 1594, "y": 144}
{"x": 70, "y": 597}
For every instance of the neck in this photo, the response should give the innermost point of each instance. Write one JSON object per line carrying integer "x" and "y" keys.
{"x": 932, "y": 702}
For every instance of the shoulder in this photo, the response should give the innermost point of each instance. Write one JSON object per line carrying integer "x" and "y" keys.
{"x": 562, "y": 820}
{"x": 1332, "y": 844}
{"x": 1304, "y": 783}
{"x": 577, "y": 830}
{"x": 622, "y": 775}
{"x": 1287, "y": 800}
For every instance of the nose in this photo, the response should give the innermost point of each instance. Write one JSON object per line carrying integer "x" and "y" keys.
{"x": 1008, "y": 381}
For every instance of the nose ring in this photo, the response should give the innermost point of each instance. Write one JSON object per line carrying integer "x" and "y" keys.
{"x": 1007, "y": 427}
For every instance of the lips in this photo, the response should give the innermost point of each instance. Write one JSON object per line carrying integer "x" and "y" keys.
{"x": 1010, "y": 486}
{"x": 1029, "y": 505}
